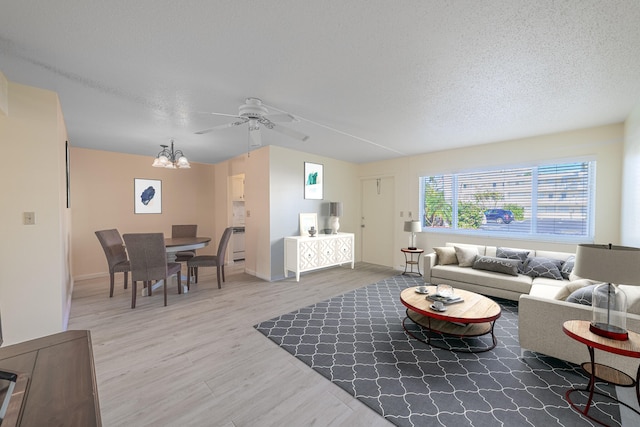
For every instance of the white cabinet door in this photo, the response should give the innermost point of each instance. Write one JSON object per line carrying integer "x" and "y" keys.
{"x": 344, "y": 250}
{"x": 308, "y": 255}
{"x": 326, "y": 252}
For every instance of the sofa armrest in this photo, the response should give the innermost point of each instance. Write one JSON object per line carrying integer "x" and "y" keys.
{"x": 540, "y": 323}
{"x": 429, "y": 260}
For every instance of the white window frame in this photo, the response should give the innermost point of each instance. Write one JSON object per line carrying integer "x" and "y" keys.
{"x": 563, "y": 238}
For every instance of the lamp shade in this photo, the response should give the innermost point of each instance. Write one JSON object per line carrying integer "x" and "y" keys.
{"x": 608, "y": 263}
{"x": 412, "y": 226}
{"x": 335, "y": 209}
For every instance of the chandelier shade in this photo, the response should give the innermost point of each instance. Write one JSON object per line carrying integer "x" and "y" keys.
{"x": 171, "y": 159}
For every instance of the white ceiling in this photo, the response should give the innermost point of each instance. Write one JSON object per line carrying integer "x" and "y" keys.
{"x": 395, "y": 77}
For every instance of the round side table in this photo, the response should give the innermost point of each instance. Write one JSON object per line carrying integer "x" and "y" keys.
{"x": 410, "y": 262}
{"x": 579, "y": 331}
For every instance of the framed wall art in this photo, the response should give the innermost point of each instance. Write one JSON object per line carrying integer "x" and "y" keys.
{"x": 308, "y": 220}
{"x": 313, "y": 181}
{"x": 147, "y": 194}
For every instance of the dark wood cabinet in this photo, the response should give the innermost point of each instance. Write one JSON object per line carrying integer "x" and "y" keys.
{"x": 61, "y": 389}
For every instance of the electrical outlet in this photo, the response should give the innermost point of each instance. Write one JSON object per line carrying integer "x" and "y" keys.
{"x": 29, "y": 218}
{"x": 401, "y": 214}
{"x": 248, "y": 214}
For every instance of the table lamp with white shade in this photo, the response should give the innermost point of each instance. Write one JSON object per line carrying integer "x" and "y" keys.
{"x": 613, "y": 265}
{"x": 413, "y": 227}
{"x": 335, "y": 212}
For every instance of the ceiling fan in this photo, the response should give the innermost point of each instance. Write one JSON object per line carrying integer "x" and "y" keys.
{"x": 255, "y": 114}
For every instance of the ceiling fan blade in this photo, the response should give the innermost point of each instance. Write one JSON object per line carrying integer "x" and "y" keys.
{"x": 281, "y": 118}
{"x": 290, "y": 132}
{"x": 224, "y": 126}
{"x": 217, "y": 114}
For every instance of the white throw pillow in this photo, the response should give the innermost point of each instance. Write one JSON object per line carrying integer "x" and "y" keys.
{"x": 446, "y": 255}
{"x": 466, "y": 255}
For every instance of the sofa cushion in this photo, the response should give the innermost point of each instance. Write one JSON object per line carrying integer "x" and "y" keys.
{"x": 633, "y": 298}
{"x": 489, "y": 279}
{"x": 466, "y": 255}
{"x": 446, "y": 255}
{"x": 499, "y": 265}
{"x": 567, "y": 267}
{"x": 510, "y": 253}
{"x": 543, "y": 267}
{"x": 571, "y": 287}
{"x": 583, "y": 295}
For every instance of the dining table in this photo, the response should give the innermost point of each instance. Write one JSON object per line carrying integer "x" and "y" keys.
{"x": 178, "y": 244}
{"x": 175, "y": 245}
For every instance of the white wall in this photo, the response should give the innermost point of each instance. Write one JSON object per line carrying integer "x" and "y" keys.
{"x": 287, "y": 198}
{"x": 630, "y": 210}
{"x": 35, "y": 279}
{"x": 604, "y": 143}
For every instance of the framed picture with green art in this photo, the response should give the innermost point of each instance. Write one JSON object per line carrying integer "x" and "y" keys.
{"x": 313, "y": 181}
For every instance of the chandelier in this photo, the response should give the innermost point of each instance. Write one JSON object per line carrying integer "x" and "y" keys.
{"x": 170, "y": 159}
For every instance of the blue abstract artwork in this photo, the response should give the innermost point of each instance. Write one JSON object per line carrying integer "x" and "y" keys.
{"x": 147, "y": 196}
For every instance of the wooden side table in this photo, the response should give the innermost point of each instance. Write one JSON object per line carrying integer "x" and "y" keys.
{"x": 409, "y": 261}
{"x": 579, "y": 331}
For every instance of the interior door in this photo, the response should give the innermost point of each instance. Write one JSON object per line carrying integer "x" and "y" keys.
{"x": 378, "y": 200}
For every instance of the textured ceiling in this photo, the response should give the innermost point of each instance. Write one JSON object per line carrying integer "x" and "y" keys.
{"x": 393, "y": 78}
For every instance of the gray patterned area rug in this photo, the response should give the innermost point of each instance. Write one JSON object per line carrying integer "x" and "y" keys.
{"x": 356, "y": 341}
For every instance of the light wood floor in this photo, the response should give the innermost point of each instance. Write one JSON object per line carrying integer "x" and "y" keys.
{"x": 200, "y": 362}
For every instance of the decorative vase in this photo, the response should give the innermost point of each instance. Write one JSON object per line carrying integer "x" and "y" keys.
{"x": 312, "y": 231}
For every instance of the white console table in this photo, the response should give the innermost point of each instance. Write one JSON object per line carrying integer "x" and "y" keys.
{"x": 304, "y": 253}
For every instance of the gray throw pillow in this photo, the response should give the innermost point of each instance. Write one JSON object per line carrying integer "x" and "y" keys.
{"x": 543, "y": 267}
{"x": 498, "y": 265}
{"x": 567, "y": 267}
{"x": 585, "y": 295}
{"x": 510, "y": 253}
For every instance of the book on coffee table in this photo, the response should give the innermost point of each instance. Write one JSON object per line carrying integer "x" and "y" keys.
{"x": 445, "y": 300}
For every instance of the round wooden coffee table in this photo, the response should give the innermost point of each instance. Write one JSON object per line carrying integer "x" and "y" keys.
{"x": 474, "y": 317}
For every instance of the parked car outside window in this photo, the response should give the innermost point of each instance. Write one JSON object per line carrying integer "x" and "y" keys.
{"x": 499, "y": 215}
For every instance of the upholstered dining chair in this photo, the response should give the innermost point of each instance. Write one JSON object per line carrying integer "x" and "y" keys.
{"x": 190, "y": 230}
{"x": 210, "y": 260}
{"x": 116, "y": 254}
{"x": 148, "y": 258}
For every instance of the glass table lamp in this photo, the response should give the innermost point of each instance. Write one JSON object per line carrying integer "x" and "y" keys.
{"x": 613, "y": 265}
{"x": 413, "y": 227}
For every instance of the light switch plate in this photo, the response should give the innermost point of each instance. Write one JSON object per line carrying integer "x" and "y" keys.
{"x": 29, "y": 218}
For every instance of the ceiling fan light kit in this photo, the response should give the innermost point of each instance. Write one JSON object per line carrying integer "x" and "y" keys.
{"x": 171, "y": 159}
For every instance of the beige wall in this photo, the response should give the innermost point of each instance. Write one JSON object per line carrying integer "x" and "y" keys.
{"x": 274, "y": 194}
{"x": 258, "y": 214}
{"x": 604, "y": 143}
{"x": 35, "y": 281}
{"x": 630, "y": 211}
{"x": 102, "y": 185}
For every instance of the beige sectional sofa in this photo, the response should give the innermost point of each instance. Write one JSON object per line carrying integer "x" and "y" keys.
{"x": 540, "y": 313}
{"x": 488, "y": 282}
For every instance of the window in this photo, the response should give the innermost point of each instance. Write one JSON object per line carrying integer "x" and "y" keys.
{"x": 533, "y": 202}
